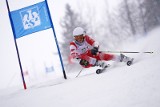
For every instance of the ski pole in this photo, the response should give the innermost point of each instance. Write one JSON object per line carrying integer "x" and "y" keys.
{"x": 79, "y": 73}
{"x": 126, "y": 52}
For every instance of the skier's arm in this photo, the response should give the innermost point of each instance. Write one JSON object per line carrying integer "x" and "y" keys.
{"x": 94, "y": 44}
{"x": 73, "y": 52}
{"x": 73, "y": 58}
{"x": 91, "y": 41}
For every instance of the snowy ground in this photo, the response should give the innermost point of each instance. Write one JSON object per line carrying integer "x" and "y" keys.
{"x": 121, "y": 86}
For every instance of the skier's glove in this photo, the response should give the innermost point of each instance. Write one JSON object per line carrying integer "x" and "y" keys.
{"x": 84, "y": 62}
{"x": 94, "y": 50}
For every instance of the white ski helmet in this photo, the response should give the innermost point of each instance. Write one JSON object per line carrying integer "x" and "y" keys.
{"x": 78, "y": 31}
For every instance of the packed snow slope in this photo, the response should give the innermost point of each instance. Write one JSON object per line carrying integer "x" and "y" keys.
{"x": 121, "y": 86}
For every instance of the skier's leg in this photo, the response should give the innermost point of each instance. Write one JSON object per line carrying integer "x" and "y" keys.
{"x": 104, "y": 56}
{"x": 94, "y": 60}
{"x": 123, "y": 58}
{"x": 118, "y": 58}
{"x": 101, "y": 60}
{"x": 126, "y": 59}
{"x": 87, "y": 61}
{"x": 101, "y": 63}
{"x": 107, "y": 57}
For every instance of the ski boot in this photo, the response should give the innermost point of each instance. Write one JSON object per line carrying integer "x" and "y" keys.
{"x": 126, "y": 59}
{"x": 101, "y": 64}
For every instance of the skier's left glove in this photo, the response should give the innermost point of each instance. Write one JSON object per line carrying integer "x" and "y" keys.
{"x": 84, "y": 62}
{"x": 94, "y": 50}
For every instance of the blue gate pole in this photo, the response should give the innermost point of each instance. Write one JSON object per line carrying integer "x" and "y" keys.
{"x": 56, "y": 41}
{"x": 20, "y": 65}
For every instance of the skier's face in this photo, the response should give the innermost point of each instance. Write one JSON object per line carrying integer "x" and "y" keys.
{"x": 79, "y": 38}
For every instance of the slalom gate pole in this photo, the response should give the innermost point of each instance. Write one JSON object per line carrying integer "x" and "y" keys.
{"x": 126, "y": 52}
{"x": 55, "y": 37}
{"x": 16, "y": 46}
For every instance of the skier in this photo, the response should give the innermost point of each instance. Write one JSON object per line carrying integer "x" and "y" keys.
{"x": 85, "y": 50}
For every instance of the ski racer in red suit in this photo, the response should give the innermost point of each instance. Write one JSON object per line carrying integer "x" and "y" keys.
{"x": 85, "y": 49}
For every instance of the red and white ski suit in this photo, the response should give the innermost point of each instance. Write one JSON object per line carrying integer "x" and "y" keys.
{"x": 83, "y": 51}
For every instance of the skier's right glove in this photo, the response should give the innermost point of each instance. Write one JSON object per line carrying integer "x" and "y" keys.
{"x": 84, "y": 62}
{"x": 94, "y": 50}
